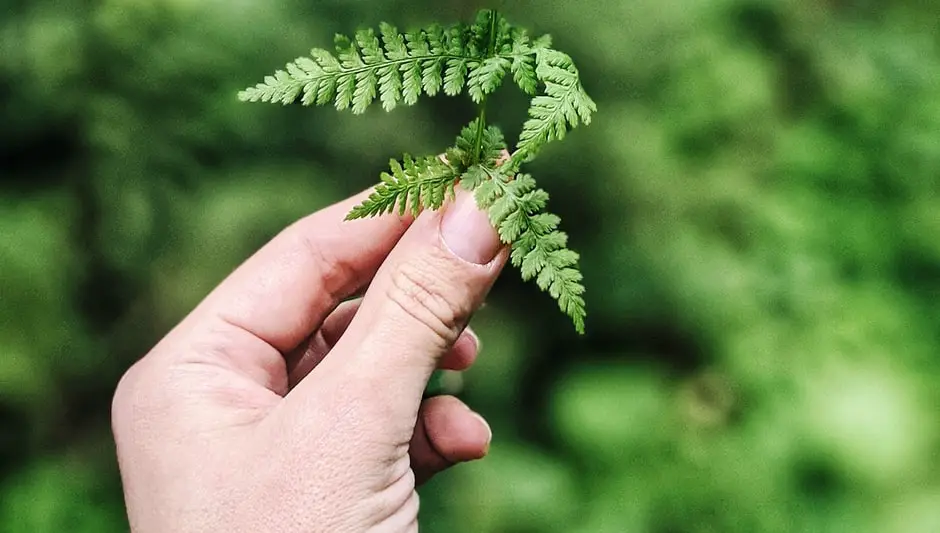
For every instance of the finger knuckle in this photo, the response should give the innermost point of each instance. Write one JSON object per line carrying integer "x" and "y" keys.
{"x": 423, "y": 289}
{"x": 332, "y": 269}
{"x": 126, "y": 397}
{"x": 143, "y": 395}
{"x": 312, "y": 243}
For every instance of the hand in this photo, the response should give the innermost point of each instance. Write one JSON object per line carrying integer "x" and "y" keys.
{"x": 274, "y": 407}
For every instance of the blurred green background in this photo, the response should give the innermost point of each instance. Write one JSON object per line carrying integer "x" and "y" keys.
{"x": 757, "y": 205}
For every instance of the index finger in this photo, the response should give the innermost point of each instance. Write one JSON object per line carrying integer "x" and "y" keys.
{"x": 285, "y": 290}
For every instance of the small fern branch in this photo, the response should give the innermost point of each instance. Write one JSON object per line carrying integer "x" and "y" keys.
{"x": 426, "y": 183}
{"x": 516, "y": 209}
{"x": 477, "y": 138}
{"x": 413, "y": 185}
{"x": 564, "y": 105}
{"x": 398, "y": 68}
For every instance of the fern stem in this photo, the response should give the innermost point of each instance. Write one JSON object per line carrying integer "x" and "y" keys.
{"x": 481, "y": 118}
{"x": 412, "y": 59}
{"x": 481, "y": 127}
{"x": 491, "y": 48}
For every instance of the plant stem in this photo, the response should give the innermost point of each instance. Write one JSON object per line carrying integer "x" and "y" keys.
{"x": 481, "y": 127}
{"x": 481, "y": 117}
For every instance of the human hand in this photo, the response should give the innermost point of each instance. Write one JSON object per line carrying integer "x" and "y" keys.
{"x": 269, "y": 408}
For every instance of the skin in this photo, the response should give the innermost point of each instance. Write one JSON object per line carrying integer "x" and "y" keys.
{"x": 279, "y": 404}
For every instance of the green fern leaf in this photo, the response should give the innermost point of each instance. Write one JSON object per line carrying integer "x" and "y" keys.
{"x": 523, "y": 73}
{"x": 399, "y": 68}
{"x": 395, "y": 48}
{"x": 370, "y": 47}
{"x": 473, "y": 178}
{"x": 455, "y": 76}
{"x": 417, "y": 43}
{"x": 492, "y": 146}
{"x": 412, "y": 185}
{"x": 389, "y": 86}
{"x": 348, "y": 54}
{"x": 515, "y": 206}
{"x": 488, "y": 142}
{"x": 483, "y": 32}
{"x": 486, "y": 76}
{"x": 564, "y": 105}
{"x": 523, "y": 62}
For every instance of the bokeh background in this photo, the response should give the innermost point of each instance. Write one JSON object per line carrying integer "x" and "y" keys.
{"x": 757, "y": 205}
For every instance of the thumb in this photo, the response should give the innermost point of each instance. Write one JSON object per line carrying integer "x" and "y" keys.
{"x": 420, "y": 301}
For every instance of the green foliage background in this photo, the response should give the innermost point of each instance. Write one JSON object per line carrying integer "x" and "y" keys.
{"x": 757, "y": 204}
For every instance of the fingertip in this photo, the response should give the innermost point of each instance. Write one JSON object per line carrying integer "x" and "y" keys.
{"x": 468, "y": 233}
{"x": 456, "y": 432}
{"x": 473, "y": 338}
{"x": 483, "y": 426}
{"x": 463, "y": 354}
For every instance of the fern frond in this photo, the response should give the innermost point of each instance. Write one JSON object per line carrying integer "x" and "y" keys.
{"x": 413, "y": 185}
{"x": 488, "y": 142}
{"x": 516, "y": 208}
{"x": 398, "y": 68}
{"x": 523, "y": 63}
{"x": 564, "y": 105}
